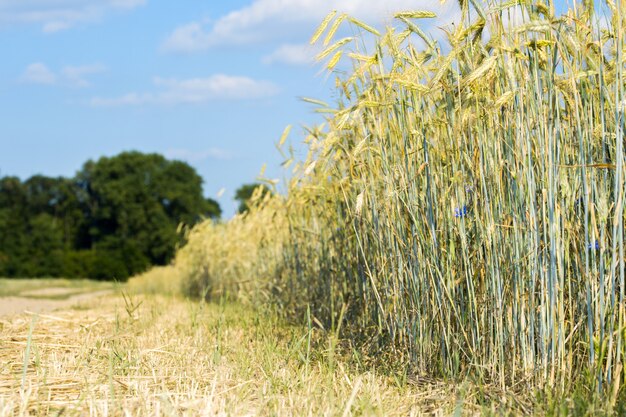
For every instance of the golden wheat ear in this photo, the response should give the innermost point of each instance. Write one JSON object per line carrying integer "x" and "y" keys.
{"x": 462, "y": 205}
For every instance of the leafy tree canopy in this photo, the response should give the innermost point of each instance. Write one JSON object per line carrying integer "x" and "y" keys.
{"x": 115, "y": 218}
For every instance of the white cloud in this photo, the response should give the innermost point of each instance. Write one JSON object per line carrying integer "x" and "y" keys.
{"x": 38, "y": 73}
{"x": 72, "y": 76}
{"x": 173, "y": 91}
{"x": 56, "y": 15}
{"x": 198, "y": 156}
{"x": 188, "y": 38}
{"x": 293, "y": 54}
{"x": 55, "y": 26}
{"x": 75, "y": 76}
{"x": 264, "y": 19}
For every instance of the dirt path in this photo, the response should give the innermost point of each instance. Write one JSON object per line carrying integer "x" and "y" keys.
{"x": 15, "y": 305}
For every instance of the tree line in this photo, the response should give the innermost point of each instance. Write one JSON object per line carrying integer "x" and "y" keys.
{"x": 116, "y": 217}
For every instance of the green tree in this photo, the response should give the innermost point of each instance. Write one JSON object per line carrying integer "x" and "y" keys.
{"x": 115, "y": 218}
{"x": 244, "y": 193}
{"x": 59, "y": 198}
{"x": 136, "y": 202}
{"x": 38, "y": 223}
{"x": 13, "y": 225}
{"x": 213, "y": 210}
{"x": 43, "y": 255}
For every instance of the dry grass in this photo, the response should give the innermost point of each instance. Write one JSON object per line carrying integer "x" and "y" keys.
{"x": 162, "y": 356}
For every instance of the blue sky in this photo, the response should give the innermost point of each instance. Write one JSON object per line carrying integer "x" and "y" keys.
{"x": 213, "y": 83}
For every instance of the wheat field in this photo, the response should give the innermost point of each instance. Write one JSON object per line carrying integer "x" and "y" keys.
{"x": 456, "y": 231}
{"x": 461, "y": 210}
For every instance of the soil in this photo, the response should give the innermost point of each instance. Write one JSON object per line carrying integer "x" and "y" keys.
{"x": 51, "y": 292}
{"x": 16, "y": 305}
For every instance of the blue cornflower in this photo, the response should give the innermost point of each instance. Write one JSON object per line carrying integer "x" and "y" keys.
{"x": 461, "y": 211}
{"x": 594, "y": 245}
